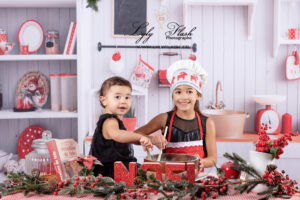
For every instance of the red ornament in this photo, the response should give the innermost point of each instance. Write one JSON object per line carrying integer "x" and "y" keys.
{"x": 154, "y": 167}
{"x": 229, "y": 172}
{"x": 116, "y": 56}
{"x": 192, "y": 57}
{"x": 172, "y": 167}
{"x": 122, "y": 174}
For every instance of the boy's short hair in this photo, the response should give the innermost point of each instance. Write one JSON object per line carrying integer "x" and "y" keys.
{"x": 108, "y": 83}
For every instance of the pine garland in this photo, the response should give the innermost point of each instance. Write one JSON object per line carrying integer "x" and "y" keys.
{"x": 105, "y": 187}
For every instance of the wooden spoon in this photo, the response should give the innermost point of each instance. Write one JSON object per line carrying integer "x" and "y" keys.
{"x": 165, "y": 133}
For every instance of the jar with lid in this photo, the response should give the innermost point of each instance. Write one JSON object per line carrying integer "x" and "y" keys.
{"x": 52, "y": 42}
{"x": 40, "y": 158}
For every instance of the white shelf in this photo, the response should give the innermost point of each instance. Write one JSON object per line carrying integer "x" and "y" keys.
{"x": 38, "y": 3}
{"x": 277, "y": 39}
{"x": 250, "y": 3}
{"x": 283, "y": 41}
{"x": 37, "y": 57}
{"x": 45, "y": 113}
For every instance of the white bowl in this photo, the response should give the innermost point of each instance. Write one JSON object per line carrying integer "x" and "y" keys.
{"x": 268, "y": 99}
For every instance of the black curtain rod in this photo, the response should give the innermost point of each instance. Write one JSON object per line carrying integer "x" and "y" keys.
{"x": 193, "y": 47}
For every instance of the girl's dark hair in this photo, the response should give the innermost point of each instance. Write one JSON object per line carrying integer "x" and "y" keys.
{"x": 108, "y": 83}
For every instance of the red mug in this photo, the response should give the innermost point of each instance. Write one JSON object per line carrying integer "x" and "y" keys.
{"x": 24, "y": 49}
{"x": 293, "y": 33}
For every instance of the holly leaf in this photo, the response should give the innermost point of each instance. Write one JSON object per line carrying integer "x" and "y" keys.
{"x": 273, "y": 151}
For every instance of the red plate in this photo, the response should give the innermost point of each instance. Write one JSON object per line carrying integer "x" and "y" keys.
{"x": 25, "y": 140}
{"x": 31, "y": 33}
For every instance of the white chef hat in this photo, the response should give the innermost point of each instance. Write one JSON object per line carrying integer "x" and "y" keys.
{"x": 186, "y": 72}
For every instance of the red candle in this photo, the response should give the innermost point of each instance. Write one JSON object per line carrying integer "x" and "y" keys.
{"x": 286, "y": 123}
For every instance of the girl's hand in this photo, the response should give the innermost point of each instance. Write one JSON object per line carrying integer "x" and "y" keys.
{"x": 201, "y": 165}
{"x": 146, "y": 143}
{"x": 159, "y": 140}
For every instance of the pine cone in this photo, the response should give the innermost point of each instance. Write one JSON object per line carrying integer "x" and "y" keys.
{"x": 271, "y": 167}
{"x": 138, "y": 183}
{"x": 35, "y": 172}
{"x": 52, "y": 183}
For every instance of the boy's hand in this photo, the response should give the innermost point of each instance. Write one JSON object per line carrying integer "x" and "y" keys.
{"x": 159, "y": 140}
{"x": 146, "y": 143}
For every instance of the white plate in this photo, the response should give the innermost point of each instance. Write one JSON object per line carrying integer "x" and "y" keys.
{"x": 31, "y": 32}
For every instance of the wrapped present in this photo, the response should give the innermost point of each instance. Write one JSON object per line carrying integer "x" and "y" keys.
{"x": 142, "y": 74}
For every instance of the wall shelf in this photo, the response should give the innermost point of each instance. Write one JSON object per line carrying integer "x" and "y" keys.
{"x": 250, "y": 3}
{"x": 38, "y": 4}
{"x": 37, "y": 57}
{"x": 45, "y": 113}
{"x": 277, "y": 38}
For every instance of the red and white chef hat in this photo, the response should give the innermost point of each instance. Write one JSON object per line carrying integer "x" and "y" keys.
{"x": 186, "y": 72}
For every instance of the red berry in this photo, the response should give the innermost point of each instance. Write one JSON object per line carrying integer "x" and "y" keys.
{"x": 83, "y": 179}
{"x": 77, "y": 178}
{"x": 75, "y": 184}
{"x": 68, "y": 181}
{"x": 89, "y": 177}
{"x": 96, "y": 180}
{"x": 100, "y": 176}
{"x": 60, "y": 184}
{"x": 92, "y": 186}
{"x": 203, "y": 194}
{"x": 55, "y": 193}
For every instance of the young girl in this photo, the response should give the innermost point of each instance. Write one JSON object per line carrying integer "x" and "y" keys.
{"x": 110, "y": 140}
{"x": 189, "y": 132}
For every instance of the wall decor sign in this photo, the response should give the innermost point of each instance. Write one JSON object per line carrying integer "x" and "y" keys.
{"x": 129, "y": 18}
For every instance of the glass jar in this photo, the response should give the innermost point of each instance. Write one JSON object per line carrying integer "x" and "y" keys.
{"x": 52, "y": 42}
{"x": 39, "y": 158}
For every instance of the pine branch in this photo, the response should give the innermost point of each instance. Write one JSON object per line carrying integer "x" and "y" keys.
{"x": 92, "y": 4}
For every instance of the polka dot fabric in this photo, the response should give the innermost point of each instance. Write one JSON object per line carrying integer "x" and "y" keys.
{"x": 25, "y": 140}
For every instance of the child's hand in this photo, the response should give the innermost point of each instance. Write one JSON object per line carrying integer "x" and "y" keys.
{"x": 146, "y": 143}
{"x": 201, "y": 165}
{"x": 159, "y": 140}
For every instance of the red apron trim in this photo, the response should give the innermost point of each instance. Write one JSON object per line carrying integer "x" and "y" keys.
{"x": 187, "y": 150}
{"x": 192, "y": 150}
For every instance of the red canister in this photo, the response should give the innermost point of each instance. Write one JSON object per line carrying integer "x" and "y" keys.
{"x": 3, "y": 35}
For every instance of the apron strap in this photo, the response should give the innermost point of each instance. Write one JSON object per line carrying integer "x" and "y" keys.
{"x": 171, "y": 124}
